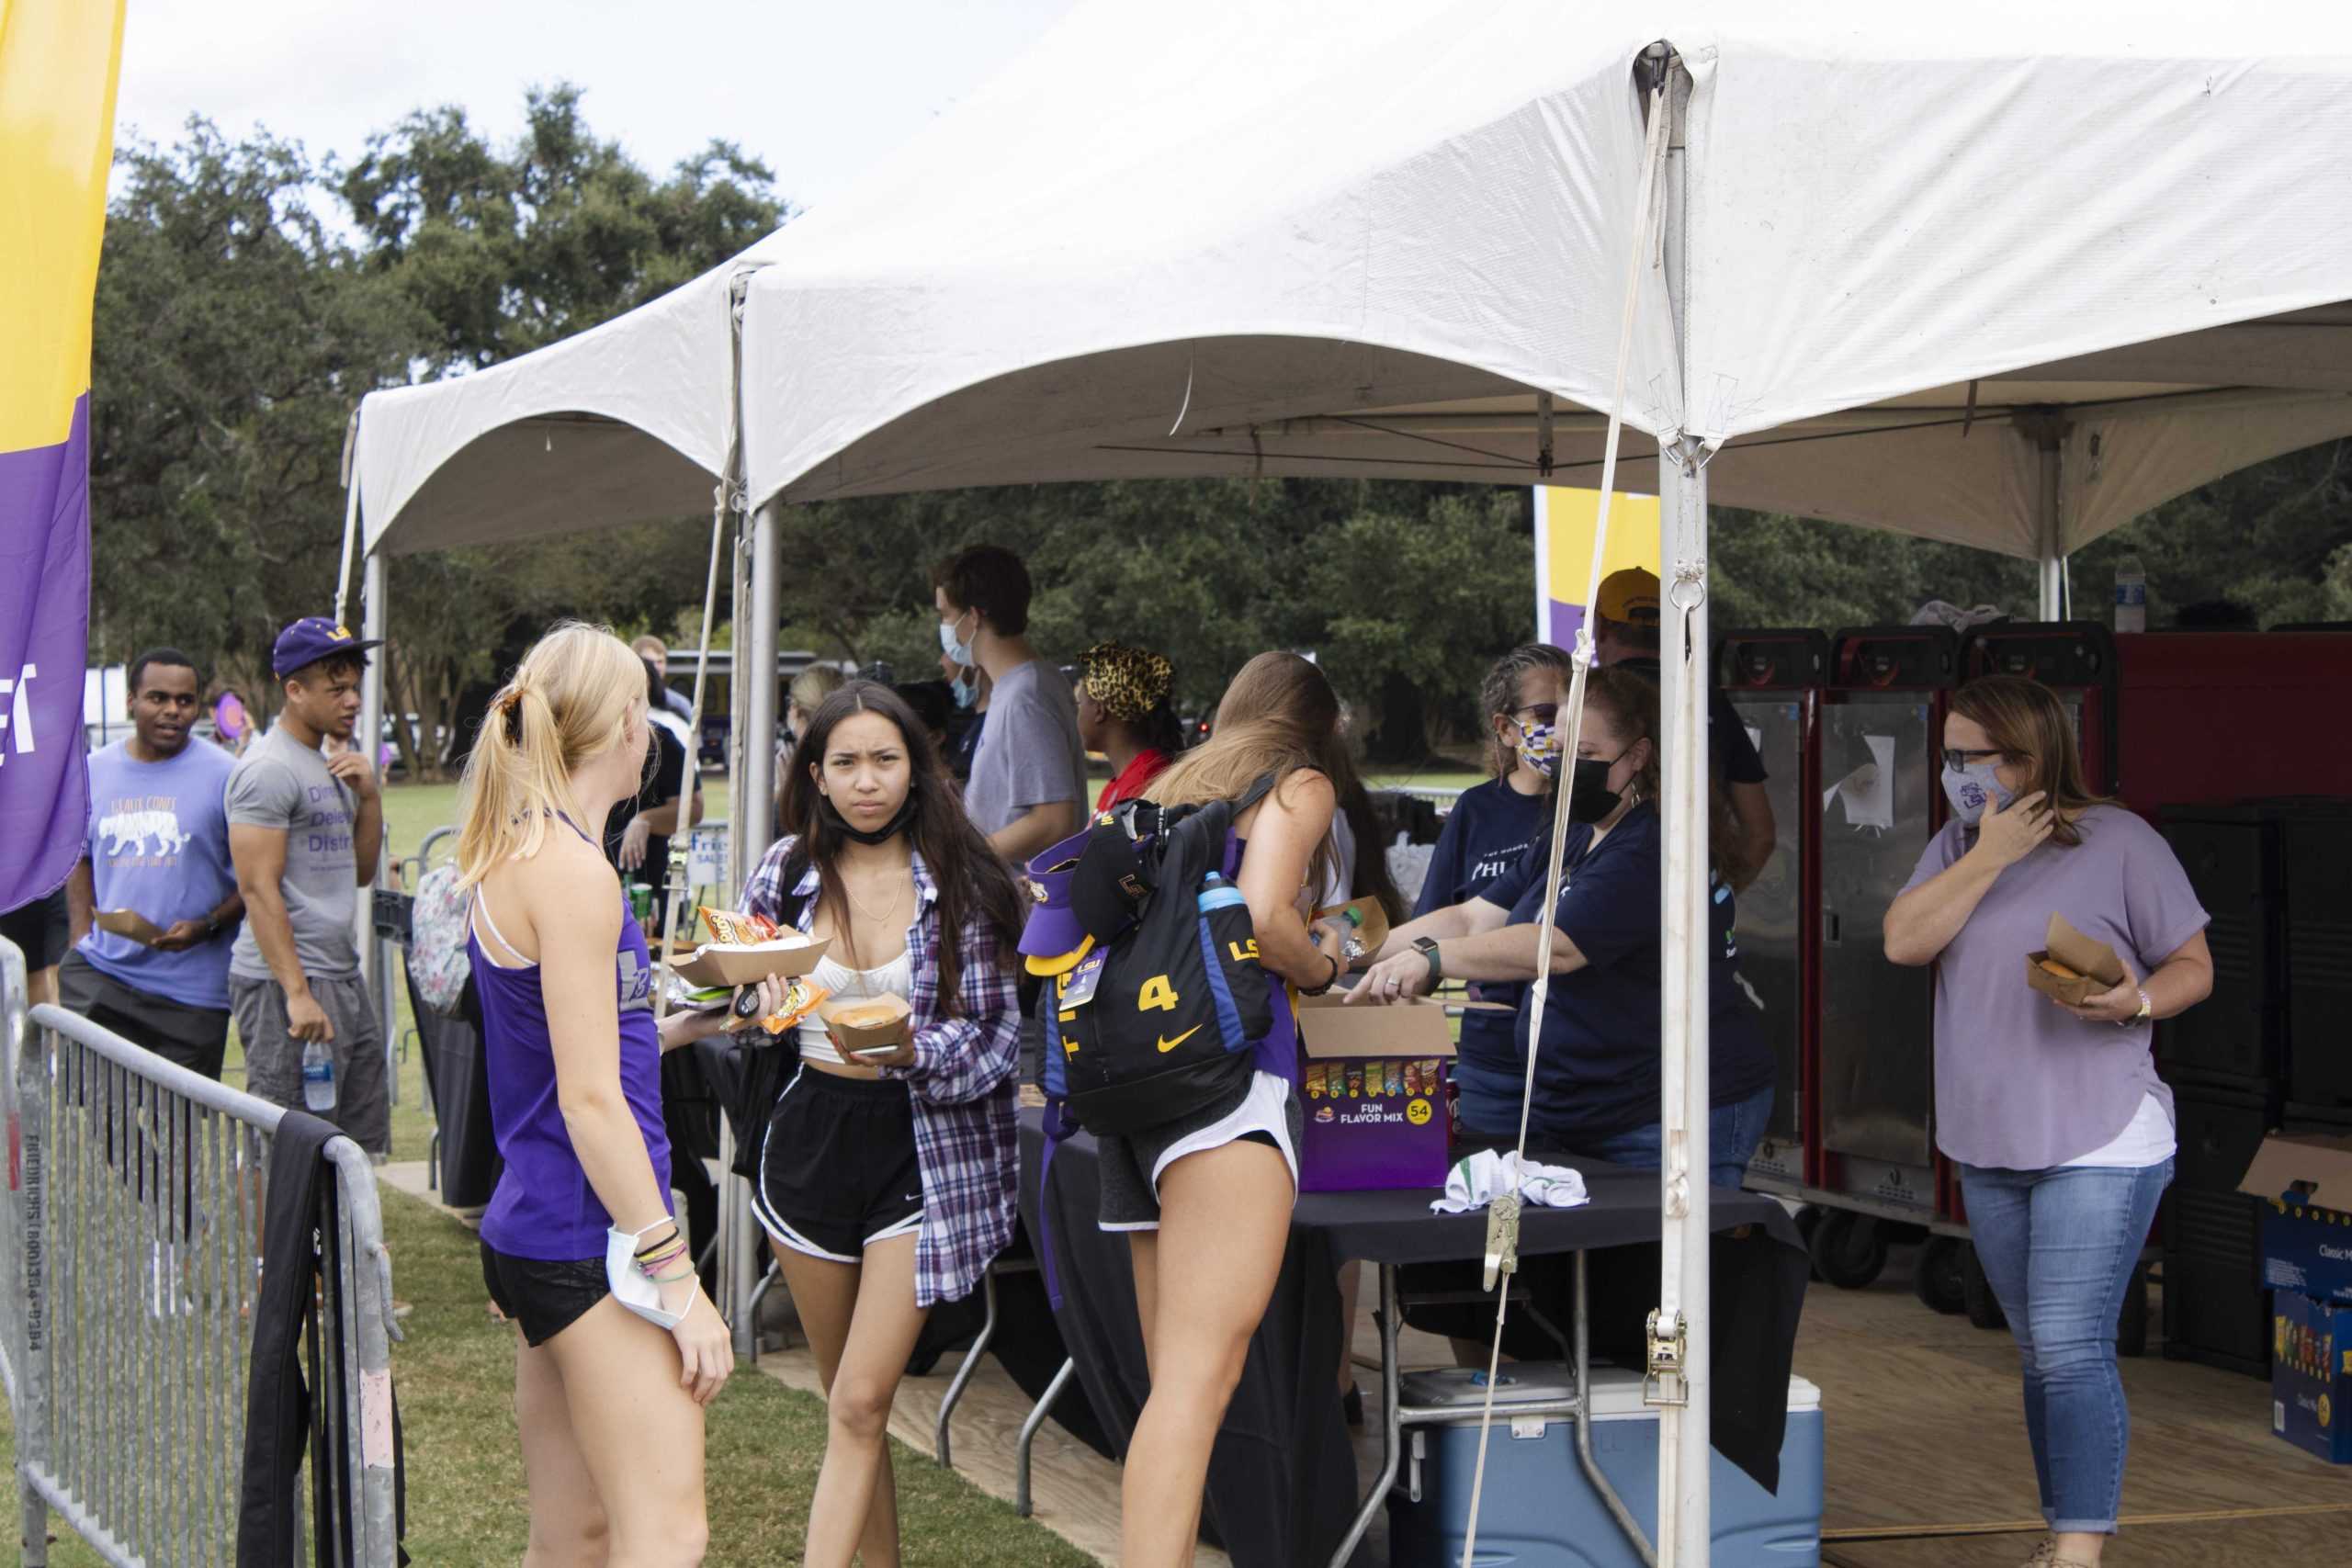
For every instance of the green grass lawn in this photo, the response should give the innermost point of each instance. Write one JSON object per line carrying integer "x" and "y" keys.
{"x": 466, "y": 1498}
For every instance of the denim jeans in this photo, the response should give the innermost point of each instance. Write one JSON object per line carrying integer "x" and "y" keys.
{"x": 1733, "y": 1133}
{"x": 2058, "y": 1249}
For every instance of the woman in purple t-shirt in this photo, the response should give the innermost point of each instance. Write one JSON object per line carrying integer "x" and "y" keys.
{"x": 2053, "y": 1113}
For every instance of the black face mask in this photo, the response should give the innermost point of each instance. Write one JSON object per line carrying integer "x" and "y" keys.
{"x": 882, "y": 835}
{"x": 1590, "y": 796}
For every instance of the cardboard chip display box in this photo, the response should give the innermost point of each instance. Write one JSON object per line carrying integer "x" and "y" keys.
{"x": 2306, "y": 1179}
{"x": 2311, "y": 1375}
{"x": 1373, "y": 1084}
{"x": 2071, "y": 967}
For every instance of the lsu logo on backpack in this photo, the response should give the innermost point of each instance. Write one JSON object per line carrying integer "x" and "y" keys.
{"x": 1156, "y": 999}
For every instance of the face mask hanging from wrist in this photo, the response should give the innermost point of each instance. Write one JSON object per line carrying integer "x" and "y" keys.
{"x": 631, "y": 1286}
{"x": 1973, "y": 788}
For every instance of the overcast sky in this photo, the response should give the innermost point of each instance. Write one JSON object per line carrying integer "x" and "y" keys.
{"x": 818, "y": 88}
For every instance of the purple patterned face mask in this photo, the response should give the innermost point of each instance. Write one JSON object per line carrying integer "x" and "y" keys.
{"x": 1973, "y": 788}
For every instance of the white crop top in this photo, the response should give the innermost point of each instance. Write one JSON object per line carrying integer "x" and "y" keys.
{"x": 846, "y": 985}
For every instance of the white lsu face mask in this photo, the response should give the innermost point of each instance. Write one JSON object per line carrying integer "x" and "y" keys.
{"x": 631, "y": 1288}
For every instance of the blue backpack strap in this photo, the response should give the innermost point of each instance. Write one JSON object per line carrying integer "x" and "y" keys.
{"x": 1057, "y": 1129}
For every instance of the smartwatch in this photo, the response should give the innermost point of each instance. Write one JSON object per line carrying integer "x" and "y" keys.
{"x": 1427, "y": 947}
{"x": 212, "y": 927}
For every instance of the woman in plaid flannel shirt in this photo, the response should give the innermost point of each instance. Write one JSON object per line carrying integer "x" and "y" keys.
{"x": 887, "y": 1181}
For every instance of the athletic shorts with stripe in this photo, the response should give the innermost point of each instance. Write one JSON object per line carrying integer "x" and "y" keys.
{"x": 837, "y": 1168}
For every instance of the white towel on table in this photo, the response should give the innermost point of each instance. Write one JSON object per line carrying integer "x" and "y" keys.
{"x": 1472, "y": 1183}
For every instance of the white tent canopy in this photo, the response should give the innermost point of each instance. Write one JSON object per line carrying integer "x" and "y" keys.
{"x": 1358, "y": 239}
{"x": 1101, "y": 265}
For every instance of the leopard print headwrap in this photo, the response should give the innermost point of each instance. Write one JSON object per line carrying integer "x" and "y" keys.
{"x": 1128, "y": 682}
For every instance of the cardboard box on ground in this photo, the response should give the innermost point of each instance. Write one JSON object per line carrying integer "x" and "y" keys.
{"x": 2305, "y": 1178}
{"x": 2311, "y": 1375}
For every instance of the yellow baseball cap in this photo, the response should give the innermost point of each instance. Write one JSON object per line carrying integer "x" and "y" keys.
{"x": 1630, "y": 597}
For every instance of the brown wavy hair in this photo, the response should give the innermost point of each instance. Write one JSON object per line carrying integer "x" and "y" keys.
{"x": 2025, "y": 720}
{"x": 1279, "y": 716}
{"x": 972, "y": 878}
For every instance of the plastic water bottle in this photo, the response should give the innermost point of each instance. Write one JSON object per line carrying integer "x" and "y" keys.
{"x": 317, "y": 1077}
{"x": 2131, "y": 595}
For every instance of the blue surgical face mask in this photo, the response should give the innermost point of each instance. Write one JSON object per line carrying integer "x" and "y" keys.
{"x": 961, "y": 652}
{"x": 1971, "y": 788}
{"x": 966, "y": 692}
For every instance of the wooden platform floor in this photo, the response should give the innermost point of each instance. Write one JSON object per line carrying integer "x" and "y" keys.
{"x": 1924, "y": 1429}
{"x": 1924, "y": 1435}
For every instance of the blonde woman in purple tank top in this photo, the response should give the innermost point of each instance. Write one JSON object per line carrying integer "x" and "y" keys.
{"x": 609, "y": 1388}
{"x": 2053, "y": 1113}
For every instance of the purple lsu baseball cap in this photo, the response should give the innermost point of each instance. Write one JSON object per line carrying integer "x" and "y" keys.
{"x": 1054, "y": 940}
{"x": 314, "y": 637}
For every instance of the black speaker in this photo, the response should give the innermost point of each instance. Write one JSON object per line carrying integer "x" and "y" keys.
{"x": 2316, "y": 849}
{"x": 2238, "y": 1033}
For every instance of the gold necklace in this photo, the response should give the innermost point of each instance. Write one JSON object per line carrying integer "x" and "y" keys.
{"x": 882, "y": 919}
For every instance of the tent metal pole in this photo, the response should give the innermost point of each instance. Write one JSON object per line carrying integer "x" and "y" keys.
{"x": 1682, "y": 1338}
{"x": 2046, "y": 530}
{"x": 754, "y": 818}
{"x": 377, "y": 950}
{"x": 1679, "y": 1376}
{"x": 754, "y": 811}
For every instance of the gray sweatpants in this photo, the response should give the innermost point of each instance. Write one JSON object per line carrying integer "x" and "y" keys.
{"x": 363, "y": 1108}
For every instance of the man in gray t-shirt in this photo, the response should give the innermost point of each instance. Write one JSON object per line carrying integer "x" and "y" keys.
{"x": 1028, "y": 786}
{"x": 305, "y": 829}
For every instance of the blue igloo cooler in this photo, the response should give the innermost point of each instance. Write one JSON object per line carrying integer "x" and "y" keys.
{"x": 1540, "y": 1512}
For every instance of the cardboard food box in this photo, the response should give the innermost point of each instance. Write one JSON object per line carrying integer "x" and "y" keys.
{"x": 1372, "y": 1081}
{"x": 2095, "y": 969}
{"x": 2306, "y": 1179}
{"x": 747, "y": 964}
{"x": 2311, "y": 1375}
{"x": 869, "y": 1023}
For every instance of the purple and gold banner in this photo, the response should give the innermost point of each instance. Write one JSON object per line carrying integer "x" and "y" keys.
{"x": 59, "y": 60}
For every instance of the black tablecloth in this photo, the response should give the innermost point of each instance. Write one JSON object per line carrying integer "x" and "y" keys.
{"x": 1283, "y": 1482}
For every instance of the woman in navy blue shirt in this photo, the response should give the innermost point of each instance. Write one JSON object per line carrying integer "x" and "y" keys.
{"x": 1598, "y": 1076}
{"x": 1491, "y": 831}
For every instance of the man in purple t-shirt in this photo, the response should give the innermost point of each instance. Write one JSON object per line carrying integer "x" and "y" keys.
{"x": 154, "y": 902}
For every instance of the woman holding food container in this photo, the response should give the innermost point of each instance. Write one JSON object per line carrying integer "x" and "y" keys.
{"x": 2046, "y": 1099}
{"x": 888, "y": 1174}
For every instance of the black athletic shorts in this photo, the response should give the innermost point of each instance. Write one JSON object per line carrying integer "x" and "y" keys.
{"x": 544, "y": 1298}
{"x": 838, "y": 1170}
{"x": 42, "y": 929}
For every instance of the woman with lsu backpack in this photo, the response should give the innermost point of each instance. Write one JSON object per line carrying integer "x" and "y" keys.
{"x": 1206, "y": 1199}
{"x": 887, "y": 1182}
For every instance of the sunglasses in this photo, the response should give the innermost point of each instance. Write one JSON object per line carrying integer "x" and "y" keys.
{"x": 1956, "y": 759}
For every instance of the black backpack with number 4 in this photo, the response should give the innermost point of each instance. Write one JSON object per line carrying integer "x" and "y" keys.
{"x": 1162, "y": 1011}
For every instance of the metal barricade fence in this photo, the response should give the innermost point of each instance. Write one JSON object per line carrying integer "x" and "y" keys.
{"x": 133, "y": 1246}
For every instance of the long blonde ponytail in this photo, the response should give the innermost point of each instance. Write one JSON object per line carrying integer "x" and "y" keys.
{"x": 570, "y": 699}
